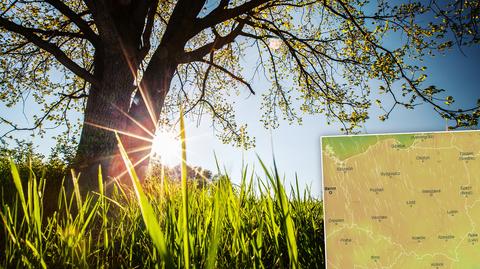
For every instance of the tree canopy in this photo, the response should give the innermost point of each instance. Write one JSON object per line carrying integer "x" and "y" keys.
{"x": 321, "y": 57}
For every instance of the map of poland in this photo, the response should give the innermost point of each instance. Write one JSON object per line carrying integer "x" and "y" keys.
{"x": 402, "y": 200}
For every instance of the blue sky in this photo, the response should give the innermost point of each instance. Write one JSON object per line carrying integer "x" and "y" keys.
{"x": 297, "y": 148}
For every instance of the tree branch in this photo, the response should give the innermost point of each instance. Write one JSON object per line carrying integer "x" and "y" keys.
{"x": 49, "y": 47}
{"x": 221, "y": 14}
{"x": 54, "y": 33}
{"x": 179, "y": 24}
{"x": 147, "y": 32}
{"x": 223, "y": 69}
{"x": 37, "y": 123}
{"x": 217, "y": 44}
{"x": 204, "y": 85}
{"x": 77, "y": 19}
{"x": 398, "y": 64}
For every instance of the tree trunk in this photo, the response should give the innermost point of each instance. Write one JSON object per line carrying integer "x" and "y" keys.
{"x": 153, "y": 90}
{"x": 107, "y": 110}
{"x": 124, "y": 44}
{"x": 103, "y": 115}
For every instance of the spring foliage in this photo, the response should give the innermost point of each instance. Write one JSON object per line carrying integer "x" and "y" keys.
{"x": 319, "y": 57}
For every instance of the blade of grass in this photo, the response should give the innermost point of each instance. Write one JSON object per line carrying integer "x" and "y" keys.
{"x": 104, "y": 207}
{"x": 216, "y": 163}
{"x": 36, "y": 254}
{"x": 36, "y": 208}
{"x": 186, "y": 243}
{"x": 7, "y": 226}
{"x": 216, "y": 227}
{"x": 18, "y": 185}
{"x": 151, "y": 223}
{"x": 287, "y": 221}
{"x": 89, "y": 217}
{"x": 76, "y": 191}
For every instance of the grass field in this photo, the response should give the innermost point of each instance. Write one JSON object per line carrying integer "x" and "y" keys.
{"x": 157, "y": 225}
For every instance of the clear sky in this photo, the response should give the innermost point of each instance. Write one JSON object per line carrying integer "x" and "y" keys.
{"x": 297, "y": 148}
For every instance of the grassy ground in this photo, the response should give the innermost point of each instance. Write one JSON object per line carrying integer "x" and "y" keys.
{"x": 253, "y": 225}
{"x": 158, "y": 224}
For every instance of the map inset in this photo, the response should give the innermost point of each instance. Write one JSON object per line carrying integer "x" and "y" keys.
{"x": 402, "y": 200}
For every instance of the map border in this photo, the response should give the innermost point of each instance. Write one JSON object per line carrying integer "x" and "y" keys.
{"x": 373, "y": 134}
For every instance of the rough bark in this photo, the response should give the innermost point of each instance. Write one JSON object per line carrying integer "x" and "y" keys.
{"x": 153, "y": 90}
{"x": 111, "y": 107}
{"x": 98, "y": 145}
{"x": 124, "y": 43}
{"x": 118, "y": 53}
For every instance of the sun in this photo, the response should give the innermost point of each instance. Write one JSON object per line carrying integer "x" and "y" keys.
{"x": 166, "y": 148}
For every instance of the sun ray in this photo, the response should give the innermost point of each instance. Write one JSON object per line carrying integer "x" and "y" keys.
{"x": 199, "y": 172}
{"x": 148, "y": 104}
{"x": 134, "y": 165}
{"x": 145, "y": 96}
{"x": 139, "y": 149}
{"x": 119, "y": 131}
{"x": 134, "y": 121}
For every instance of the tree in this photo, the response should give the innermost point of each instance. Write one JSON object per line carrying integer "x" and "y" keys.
{"x": 196, "y": 174}
{"x": 124, "y": 63}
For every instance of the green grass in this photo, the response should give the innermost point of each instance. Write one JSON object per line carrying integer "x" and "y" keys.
{"x": 253, "y": 225}
{"x": 158, "y": 223}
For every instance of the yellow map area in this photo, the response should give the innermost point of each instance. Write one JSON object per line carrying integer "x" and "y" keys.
{"x": 402, "y": 201}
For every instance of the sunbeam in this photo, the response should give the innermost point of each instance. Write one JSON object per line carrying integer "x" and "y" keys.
{"x": 134, "y": 121}
{"x": 134, "y": 150}
{"x": 134, "y": 165}
{"x": 145, "y": 96}
{"x": 119, "y": 131}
